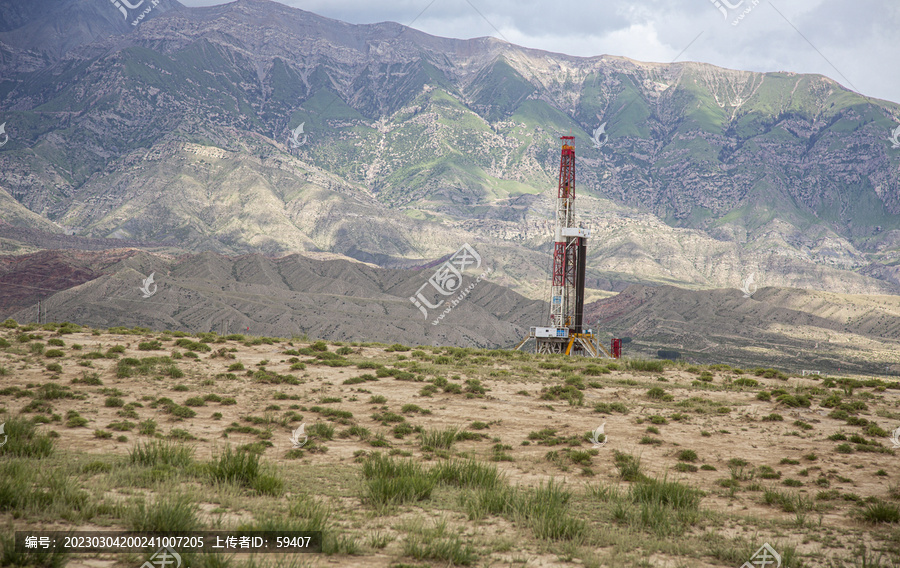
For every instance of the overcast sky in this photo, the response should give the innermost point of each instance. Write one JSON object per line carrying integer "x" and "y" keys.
{"x": 855, "y": 42}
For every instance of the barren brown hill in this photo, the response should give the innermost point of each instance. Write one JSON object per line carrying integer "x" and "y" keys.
{"x": 284, "y": 297}
{"x": 785, "y": 327}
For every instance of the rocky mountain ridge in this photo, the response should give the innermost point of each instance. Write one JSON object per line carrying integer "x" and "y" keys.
{"x": 185, "y": 130}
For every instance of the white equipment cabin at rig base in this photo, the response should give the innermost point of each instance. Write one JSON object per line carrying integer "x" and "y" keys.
{"x": 565, "y": 331}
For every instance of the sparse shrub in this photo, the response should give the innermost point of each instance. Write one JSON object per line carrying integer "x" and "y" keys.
{"x": 390, "y": 482}
{"x": 321, "y": 430}
{"x": 844, "y": 449}
{"x": 181, "y": 412}
{"x": 475, "y": 387}
{"x": 645, "y": 365}
{"x": 767, "y": 472}
{"x": 158, "y": 453}
{"x": 881, "y": 512}
{"x": 687, "y": 455}
{"x": 794, "y": 401}
{"x": 569, "y": 393}
{"x": 610, "y": 407}
{"x": 26, "y": 442}
{"x": 629, "y": 467}
{"x": 171, "y": 513}
{"x": 438, "y": 439}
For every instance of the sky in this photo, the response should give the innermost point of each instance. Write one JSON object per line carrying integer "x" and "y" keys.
{"x": 854, "y": 42}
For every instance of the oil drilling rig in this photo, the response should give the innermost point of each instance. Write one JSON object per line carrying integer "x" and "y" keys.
{"x": 564, "y": 332}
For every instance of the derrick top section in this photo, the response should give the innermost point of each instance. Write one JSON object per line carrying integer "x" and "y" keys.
{"x": 567, "y": 170}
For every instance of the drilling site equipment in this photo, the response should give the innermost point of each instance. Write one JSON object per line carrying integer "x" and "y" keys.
{"x": 564, "y": 332}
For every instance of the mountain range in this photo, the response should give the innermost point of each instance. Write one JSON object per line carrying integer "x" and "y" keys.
{"x": 252, "y": 128}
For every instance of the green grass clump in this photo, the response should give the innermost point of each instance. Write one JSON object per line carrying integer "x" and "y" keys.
{"x": 30, "y": 492}
{"x": 75, "y": 420}
{"x": 794, "y": 401}
{"x": 169, "y": 513}
{"x": 466, "y": 473}
{"x": 158, "y": 453}
{"x": 666, "y": 493}
{"x": 545, "y": 509}
{"x": 408, "y": 408}
{"x": 645, "y": 365}
{"x": 24, "y": 441}
{"x": 569, "y": 393}
{"x": 881, "y": 512}
{"x": 610, "y": 407}
{"x": 321, "y": 430}
{"x": 438, "y": 439}
{"x": 439, "y": 544}
{"x": 360, "y": 379}
{"x": 190, "y": 345}
{"x": 658, "y": 393}
{"x": 332, "y": 413}
{"x": 390, "y": 482}
{"x": 629, "y": 466}
{"x": 687, "y": 455}
{"x": 474, "y": 387}
{"x": 243, "y": 468}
